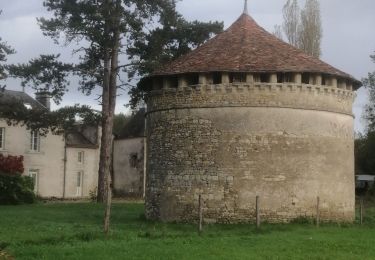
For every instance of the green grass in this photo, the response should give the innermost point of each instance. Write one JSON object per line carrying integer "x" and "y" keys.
{"x": 73, "y": 231}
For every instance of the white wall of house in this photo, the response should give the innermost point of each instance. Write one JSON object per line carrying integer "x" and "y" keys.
{"x": 81, "y": 174}
{"x": 128, "y": 166}
{"x": 48, "y": 162}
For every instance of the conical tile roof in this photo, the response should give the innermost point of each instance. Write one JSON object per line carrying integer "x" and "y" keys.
{"x": 247, "y": 47}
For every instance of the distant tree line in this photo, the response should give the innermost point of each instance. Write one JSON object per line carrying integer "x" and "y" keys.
{"x": 129, "y": 125}
{"x": 365, "y": 143}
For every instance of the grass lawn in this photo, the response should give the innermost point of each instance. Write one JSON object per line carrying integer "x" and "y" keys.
{"x": 73, "y": 231}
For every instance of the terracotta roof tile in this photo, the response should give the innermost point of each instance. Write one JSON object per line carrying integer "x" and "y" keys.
{"x": 247, "y": 47}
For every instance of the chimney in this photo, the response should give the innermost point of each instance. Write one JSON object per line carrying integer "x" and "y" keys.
{"x": 44, "y": 98}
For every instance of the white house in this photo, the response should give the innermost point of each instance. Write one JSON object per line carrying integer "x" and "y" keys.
{"x": 129, "y": 158}
{"x": 63, "y": 166}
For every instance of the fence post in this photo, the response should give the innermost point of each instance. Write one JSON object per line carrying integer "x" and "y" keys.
{"x": 361, "y": 211}
{"x": 257, "y": 210}
{"x": 200, "y": 215}
{"x": 317, "y": 211}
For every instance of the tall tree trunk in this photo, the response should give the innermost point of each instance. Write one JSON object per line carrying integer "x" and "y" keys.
{"x": 105, "y": 146}
{"x": 112, "y": 106}
{"x": 108, "y": 101}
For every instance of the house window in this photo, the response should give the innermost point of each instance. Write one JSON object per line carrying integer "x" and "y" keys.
{"x": 2, "y": 138}
{"x": 35, "y": 141}
{"x": 81, "y": 156}
{"x": 79, "y": 183}
{"x": 34, "y": 174}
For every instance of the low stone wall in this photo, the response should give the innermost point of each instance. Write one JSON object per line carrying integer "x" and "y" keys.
{"x": 233, "y": 150}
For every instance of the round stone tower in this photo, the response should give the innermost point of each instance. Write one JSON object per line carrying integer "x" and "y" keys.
{"x": 248, "y": 115}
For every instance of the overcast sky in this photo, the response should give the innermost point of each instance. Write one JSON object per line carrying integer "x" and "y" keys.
{"x": 348, "y": 35}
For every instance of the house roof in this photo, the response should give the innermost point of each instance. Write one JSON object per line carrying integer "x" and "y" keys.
{"x": 76, "y": 139}
{"x": 83, "y": 136}
{"x": 9, "y": 95}
{"x": 247, "y": 47}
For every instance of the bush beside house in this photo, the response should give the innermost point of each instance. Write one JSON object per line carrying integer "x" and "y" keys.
{"x": 14, "y": 188}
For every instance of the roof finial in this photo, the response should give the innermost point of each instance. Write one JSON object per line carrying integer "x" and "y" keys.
{"x": 245, "y": 10}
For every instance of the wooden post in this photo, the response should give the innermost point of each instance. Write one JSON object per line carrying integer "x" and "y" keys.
{"x": 361, "y": 212}
{"x": 200, "y": 215}
{"x": 317, "y": 212}
{"x": 257, "y": 210}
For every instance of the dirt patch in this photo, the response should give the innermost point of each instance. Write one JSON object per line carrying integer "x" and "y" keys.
{"x": 5, "y": 256}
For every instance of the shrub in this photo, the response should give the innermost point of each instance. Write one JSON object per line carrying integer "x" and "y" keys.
{"x": 16, "y": 190}
{"x": 93, "y": 194}
{"x": 11, "y": 165}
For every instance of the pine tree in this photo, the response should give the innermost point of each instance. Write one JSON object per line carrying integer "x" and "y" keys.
{"x": 106, "y": 33}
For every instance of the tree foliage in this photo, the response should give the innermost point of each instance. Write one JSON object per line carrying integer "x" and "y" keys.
{"x": 173, "y": 38}
{"x": 278, "y": 32}
{"x": 14, "y": 188}
{"x": 302, "y": 28}
{"x": 291, "y": 23}
{"x": 45, "y": 73}
{"x": 130, "y": 125}
{"x": 119, "y": 123}
{"x": 5, "y": 50}
{"x": 365, "y": 143}
{"x": 135, "y": 126}
{"x": 364, "y": 154}
{"x": 310, "y": 29}
{"x": 11, "y": 165}
{"x": 115, "y": 41}
{"x": 369, "y": 114}
{"x": 44, "y": 121}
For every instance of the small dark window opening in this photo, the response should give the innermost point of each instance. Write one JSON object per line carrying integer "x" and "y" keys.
{"x": 173, "y": 82}
{"x": 288, "y": 77}
{"x": 157, "y": 83}
{"x": 280, "y": 78}
{"x": 305, "y": 78}
{"x": 264, "y": 78}
{"x": 341, "y": 83}
{"x": 312, "y": 79}
{"x": 133, "y": 160}
{"x": 209, "y": 79}
{"x": 193, "y": 79}
{"x": 216, "y": 78}
{"x": 324, "y": 80}
{"x": 231, "y": 78}
{"x": 256, "y": 78}
{"x": 238, "y": 77}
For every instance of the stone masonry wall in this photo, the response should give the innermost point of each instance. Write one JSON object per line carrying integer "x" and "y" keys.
{"x": 230, "y": 152}
{"x": 312, "y": 97}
